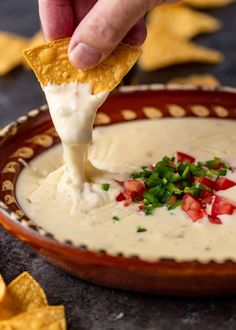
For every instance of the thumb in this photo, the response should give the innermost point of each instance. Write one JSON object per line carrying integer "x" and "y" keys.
{"x": 103, "y": 28}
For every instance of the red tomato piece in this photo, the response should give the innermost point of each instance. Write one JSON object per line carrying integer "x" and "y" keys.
{"x": 215, "y": 220}
{"x": 172, "y": 200}
{"x": 218, "y": 166}
{"x": 136, "y": 186}
{"x": 206, "y": 198}
{"x": 128, "y": 201}
{"x": 128, "y": 193}
{"x": 121, "y": 197}
{"x": 182, "y": 157}
{"x": 205, "y": 181}
{"x": 223, "y": 184}
{"x": 221, "y": 206}
{"x": 193, "y": 208}
{"x": 141, "y": 205}
{"x": 171, "y": 164}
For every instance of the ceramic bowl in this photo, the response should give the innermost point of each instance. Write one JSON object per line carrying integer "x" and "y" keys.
{"x": 30, "y": 135}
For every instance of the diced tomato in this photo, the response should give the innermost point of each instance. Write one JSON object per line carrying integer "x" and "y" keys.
{"x": 193, "y": 208}
{"x": 128, "y": 201}
{"x": 218, "y": 166}
{"x": 121, "y": 197}
{"x": 141, "y": 205}
{"x": 182, "y": 157}
{"x": 172, "y": 200}
{"x": 171, "y": 163}
{"x": 221, "y": 206}
{"x": 214, "y": 220}
{"x": 223, "y": 184}
{"x": 206, "y": 198}
{"x": 136, "y": 186}
{"x": 205, "y": 181}
{"x": 128, "y": 193}
{"x": 133, "y": 190}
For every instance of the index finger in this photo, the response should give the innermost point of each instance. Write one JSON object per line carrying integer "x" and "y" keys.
{"x": 56, "y": 18}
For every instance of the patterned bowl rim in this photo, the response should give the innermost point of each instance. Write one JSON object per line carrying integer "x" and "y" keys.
{"x": 38, "y": 232}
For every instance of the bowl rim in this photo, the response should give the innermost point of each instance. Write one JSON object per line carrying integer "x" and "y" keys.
{"x": 41, "y": 236}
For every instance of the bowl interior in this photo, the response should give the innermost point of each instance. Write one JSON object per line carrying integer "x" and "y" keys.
{"x": 30, "y": 135}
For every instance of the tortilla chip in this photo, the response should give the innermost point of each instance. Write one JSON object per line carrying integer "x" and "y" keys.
{"x": 51, "y": 64}
{"x": 187, "y": 22}
{"x": 11, "y": 47}
{"x": 36, "y": 40}
{"x": 162, "y": 49}
{"x": 199, "y": 80}
{"x": 26, "y": 293}
{"x": 208, "y": 3}
{"x": 6, "y": 308}
{"x": 23, "y": 294}
{"x": 2, "y": 288}
{"x": 49, "y": 317}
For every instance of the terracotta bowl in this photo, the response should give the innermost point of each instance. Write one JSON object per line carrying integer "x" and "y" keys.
{"x": 30, "y": 135}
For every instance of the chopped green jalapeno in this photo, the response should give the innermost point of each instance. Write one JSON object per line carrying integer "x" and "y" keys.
{"x": 105, "y": 186}
{"x": 214, "y": 163}
{"x": 185, "y": 172}
{"x": 150, "y": 197}
{"x": 192, "y": 190}
{"x": 173, "y": 189}
{"x": 175, "y": 205}
{"x": 170, "y": 181}
{"x": 141, "y": 230}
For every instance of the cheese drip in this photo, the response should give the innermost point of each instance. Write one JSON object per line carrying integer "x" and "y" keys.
{"x": 73, "y": 109}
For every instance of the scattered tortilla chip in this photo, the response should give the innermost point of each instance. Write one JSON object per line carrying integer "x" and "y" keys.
{"x": 6, "y": 304}
{"x": 162, "y": 49}
{"x": 182, "y": 20}
{"x": 36, "y": 40}
{"x": 11, "y": 47}
{"x": 208, "y": 3}
{"x": 23, "y": 294}
{"x": 26, "y": 293}
{"x": 51, "y": 64}
{"x": 24, "y": 306}
{"x": 6, "y": 308}
{"x": 49, "y": 317}
{"x": 199, "y": 80}
{"x": 2, "y": 288}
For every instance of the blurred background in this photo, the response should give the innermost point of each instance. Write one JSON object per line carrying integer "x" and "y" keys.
{"x": 20, "y": 91}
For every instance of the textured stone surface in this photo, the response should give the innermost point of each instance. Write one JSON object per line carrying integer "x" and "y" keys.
{"x": 90, "y": 307}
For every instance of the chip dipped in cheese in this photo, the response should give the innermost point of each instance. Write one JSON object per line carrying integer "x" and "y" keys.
{"x": 73, "y": 97}
{"x": 51, "y": 65}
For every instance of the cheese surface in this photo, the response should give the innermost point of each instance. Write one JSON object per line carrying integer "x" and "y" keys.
{"x": 85, "y": 215}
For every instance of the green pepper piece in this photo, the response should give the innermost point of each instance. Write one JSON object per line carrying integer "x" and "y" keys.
{"x": 173, "y": 189}
{"x": 192, "y": 190}
{"x": 175, "y": 205}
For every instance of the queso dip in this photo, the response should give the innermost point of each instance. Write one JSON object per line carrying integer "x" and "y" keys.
{"x": 87, "y": 215}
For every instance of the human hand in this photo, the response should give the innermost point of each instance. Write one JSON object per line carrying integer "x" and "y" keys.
{"x": 96, "y": 26}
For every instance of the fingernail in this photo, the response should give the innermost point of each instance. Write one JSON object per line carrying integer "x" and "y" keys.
{"x": 84, "y": 57}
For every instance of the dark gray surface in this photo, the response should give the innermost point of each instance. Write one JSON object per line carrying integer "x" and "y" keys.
{"x": 90, "y": 307}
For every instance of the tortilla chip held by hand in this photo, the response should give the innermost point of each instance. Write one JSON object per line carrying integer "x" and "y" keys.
{"x": 51, "y": 64}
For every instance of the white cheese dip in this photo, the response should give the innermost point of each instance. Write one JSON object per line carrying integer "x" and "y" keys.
{"x": 123, "y": 148}
{"x": 73, "y": 109}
